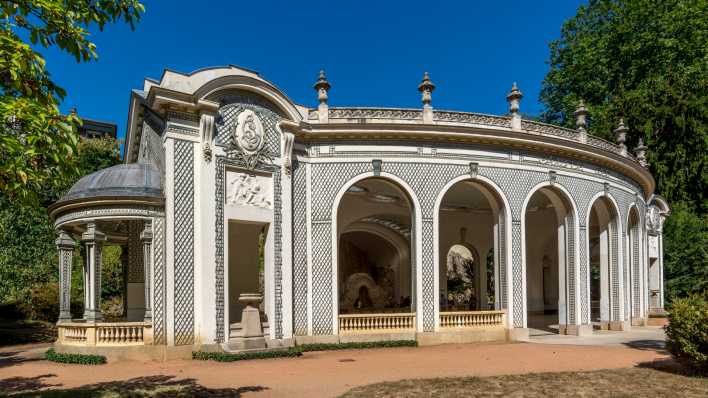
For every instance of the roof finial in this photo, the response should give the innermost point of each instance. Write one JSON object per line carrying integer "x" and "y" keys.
{"x": 621, "y": 136}
{"x": 581, "y": 121}
{"x": 641, "y": 153}
{"x": 322, "y": 86}
{"x": 426, "y": 87}
{"x": 514, "y": 99}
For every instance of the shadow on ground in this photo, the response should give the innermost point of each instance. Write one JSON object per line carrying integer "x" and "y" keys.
{"x": 149, "y": 386}
{"x": 648, "y": 345}
{"x": 11, "y": 358}
{"x": 670, "y": 365}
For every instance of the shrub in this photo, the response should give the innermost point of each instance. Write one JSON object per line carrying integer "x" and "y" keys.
{"x": 41, "y": 302}
{"x": 687, "y": 331}
{"x": 361, "y": 345}
{"x": 242, "y": 356}
{"x": 80, "y": 359}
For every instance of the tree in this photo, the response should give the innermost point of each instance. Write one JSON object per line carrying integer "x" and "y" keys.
{"x": 28, "y": 257}
{"x": 647, "y": 62}
{"x": 37, "y": 142}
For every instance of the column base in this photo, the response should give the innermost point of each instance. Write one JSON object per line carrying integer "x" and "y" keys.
{"x": 620, "y": 326}
{"x": 639, "y": 321}
{"x": 93, "y": 316}
{"x": 604, "y": 325}
{"x": 576, "y": 330}
{"x": 518, "y": 334}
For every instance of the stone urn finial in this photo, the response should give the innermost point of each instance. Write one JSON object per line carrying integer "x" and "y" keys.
{"x": 514, "y": 100}
{"x": 322, "y": 87}
{"x": 641, "y": 153}
{"x": 621, "y": 136}
{"x": 581, "y": 121}
{"x": 426, "y": 87}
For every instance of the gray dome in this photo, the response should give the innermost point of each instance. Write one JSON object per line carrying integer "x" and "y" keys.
{"x": 116, "y": 182}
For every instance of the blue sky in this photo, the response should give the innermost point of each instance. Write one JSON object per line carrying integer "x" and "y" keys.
{"x": 374, "y": 53}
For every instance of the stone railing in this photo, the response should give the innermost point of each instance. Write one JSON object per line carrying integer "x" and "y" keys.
{"x": 527, "y": 126}
{"x": 376, "y": 323}
{"x": 105, "y": 334}
{"x": 375, "y": 113}
{"x": 473, "y": 118}
{"x": 472, "y": 319}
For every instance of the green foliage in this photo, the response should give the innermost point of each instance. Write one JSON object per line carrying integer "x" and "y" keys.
{"x": 687, "y": 331}
{"x": 647, "y": 62}
{"x": 357, "y": 345}
{"x": 297, "y": 351}
{"x": 685, "y": 253}
{"x": 80, "y": 359}
{"x": 227, "y": 357}
{"x": 38, "y": 143}
{"x": 28, "y": 257}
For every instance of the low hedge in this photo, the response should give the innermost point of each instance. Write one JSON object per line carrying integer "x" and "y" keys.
{"x": 81, "y": 359}
{"x": 242, "y": 356}
{"x": 354, "y": 345}
{"x": 297, "y": 351}
{"x": 687, "y": 331}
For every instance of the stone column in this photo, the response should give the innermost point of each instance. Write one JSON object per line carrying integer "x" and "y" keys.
{"x": 125, "y": 263}
{"x": 146, "y": 238}
{"x": 65, "y": 247}
{"x": 93, "y": 240}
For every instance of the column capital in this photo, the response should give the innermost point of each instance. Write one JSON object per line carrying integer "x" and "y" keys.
{"x": 64, "y": 240}
{"x": 92, "y": 234}
{"x": 146, "y": 234}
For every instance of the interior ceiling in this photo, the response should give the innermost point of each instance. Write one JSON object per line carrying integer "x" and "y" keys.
{"x": 378, "y": 190}
{"x": 369, "y": 242}
{"x": 538, "y": 201}
{"x": 465, "y": 196}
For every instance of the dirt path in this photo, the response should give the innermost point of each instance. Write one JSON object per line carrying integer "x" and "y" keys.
{"x": 324, "y": 374}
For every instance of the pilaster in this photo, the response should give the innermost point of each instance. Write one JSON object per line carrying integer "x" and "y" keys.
{"x": 146, "y": 238}
{"x": 65, "y": 246}
{"x": 93, "y": 240}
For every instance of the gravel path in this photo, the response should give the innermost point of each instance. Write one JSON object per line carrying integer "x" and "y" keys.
{"x": 320, "y": 374}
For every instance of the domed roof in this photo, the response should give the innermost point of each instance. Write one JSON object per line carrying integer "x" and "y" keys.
{"x": 117, "y": 182}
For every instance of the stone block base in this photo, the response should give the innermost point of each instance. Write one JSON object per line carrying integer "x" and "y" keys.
{"x": 620, "y": 326}
{"x": 518, "y": 334}
{"x": 130, "y": 353}
{"x": 576, "y": 330}
{"x": 317, "y": 339}
{"x": 639, "y": 321}
{"x": 461, "y": 336}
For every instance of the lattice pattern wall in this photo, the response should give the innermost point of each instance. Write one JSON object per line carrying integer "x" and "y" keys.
{"x": 219, "y": 193}
{"x": 184, "y": 242}
{"x": 299, "y": 199}
{"x": 278, "y": 255}
{"x": 136, "y": 273}
{"x": 584, "y": 277}
{"x": 159, "y": 292}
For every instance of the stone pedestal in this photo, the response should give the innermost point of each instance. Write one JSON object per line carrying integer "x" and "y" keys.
{"x": 251, "y": 328}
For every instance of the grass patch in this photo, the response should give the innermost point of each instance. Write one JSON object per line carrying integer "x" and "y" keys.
{"x": 18, "y": 331}
{"x": 634, "y": 382}
{"x": 357, "y": 346}
{"x": 243, "y": 356}
{"x": 81, "y": 359}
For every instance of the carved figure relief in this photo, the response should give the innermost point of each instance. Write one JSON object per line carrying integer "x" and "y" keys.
{"x": 249, "y": 190}
{"x": 249, "y": 138}
{"x": 654, "y": 220}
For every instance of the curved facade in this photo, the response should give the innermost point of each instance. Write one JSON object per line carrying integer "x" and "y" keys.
{"x": 344, "y": 220}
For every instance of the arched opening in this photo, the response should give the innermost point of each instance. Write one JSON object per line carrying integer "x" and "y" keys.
{"x": 602, "y": 244}
{"x": 470, "y": 222}
{"x": 549, "y": 236}
{"x": 374, "y": 221}
{"x": 633, "y": 288}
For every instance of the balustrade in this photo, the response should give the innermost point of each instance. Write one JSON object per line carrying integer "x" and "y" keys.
{"x": 105, "y": 334}
{"x": 377, "y": 323}
{"x": 472, "y": 319}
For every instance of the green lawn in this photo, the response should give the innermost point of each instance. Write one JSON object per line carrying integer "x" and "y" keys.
{"x": 635, "y": 382}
